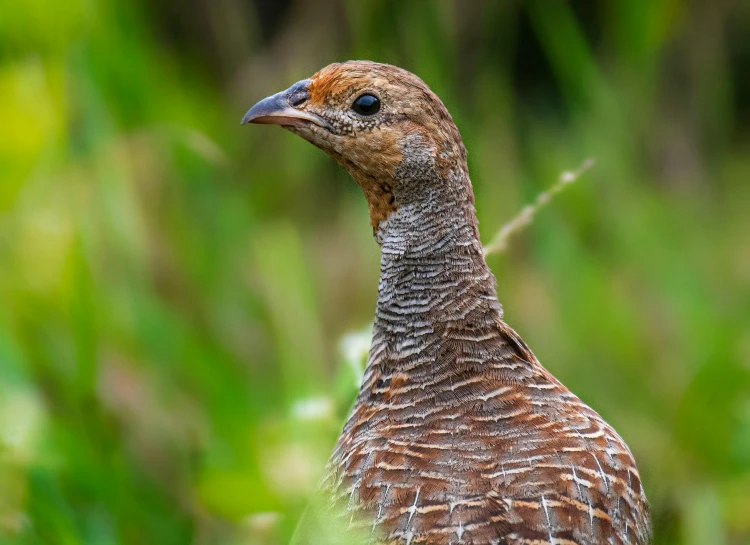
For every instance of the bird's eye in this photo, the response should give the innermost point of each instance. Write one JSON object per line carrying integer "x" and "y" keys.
{"x": 366, "y": 105}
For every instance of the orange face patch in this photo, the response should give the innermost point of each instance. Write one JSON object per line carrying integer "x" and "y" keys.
{"x": 341, "y": 79}
{"x": 327, "y": 82}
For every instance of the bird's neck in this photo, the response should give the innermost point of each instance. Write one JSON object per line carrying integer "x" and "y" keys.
{"x": 433, "y": 274}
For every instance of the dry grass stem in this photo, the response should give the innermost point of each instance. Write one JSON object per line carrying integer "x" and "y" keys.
{"x": 526, "y": 215}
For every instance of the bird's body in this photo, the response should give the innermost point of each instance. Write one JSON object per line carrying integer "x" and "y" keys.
{"x": 458, "y": 435}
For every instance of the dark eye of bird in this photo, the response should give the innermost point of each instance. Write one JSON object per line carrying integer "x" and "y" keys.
{"x": 366, "y": 105}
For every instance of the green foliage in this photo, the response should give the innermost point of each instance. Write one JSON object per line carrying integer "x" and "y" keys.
{"x": 174, "y": 286}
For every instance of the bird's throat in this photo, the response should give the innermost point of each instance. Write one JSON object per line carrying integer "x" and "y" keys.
{"x": 432, "y": 270}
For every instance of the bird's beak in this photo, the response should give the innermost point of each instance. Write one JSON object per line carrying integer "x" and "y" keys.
{"x": 278, "y": 109}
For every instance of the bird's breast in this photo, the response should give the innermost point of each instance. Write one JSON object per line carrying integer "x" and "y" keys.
{"x": 482, "y": 461}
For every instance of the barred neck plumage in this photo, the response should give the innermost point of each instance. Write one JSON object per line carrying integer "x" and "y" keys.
{"x": 433, "y": 275}
{"x": 431, "y": 257}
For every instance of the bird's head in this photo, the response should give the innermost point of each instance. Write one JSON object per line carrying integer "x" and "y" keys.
{"x": 382, "y": 123}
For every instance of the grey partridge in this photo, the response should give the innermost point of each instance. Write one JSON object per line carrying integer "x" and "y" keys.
{"x": 458, "y": 435}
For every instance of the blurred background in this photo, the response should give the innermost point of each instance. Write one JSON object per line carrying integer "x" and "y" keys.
{"x": 184, "y": 302}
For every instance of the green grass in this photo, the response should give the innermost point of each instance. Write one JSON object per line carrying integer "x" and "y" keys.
{"x": 175, "y": 287}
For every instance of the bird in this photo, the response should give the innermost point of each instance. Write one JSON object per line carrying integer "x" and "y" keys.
{"x": 458, "y": 434}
